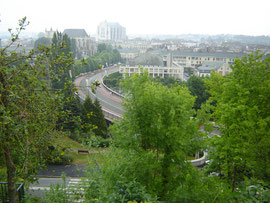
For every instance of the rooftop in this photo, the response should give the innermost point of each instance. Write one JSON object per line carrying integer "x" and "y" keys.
{"x": 76, "y": 33}
{"x": 126, "y": 50}
{"x": 206, "y": 68}
{"x": 216, "y": 64}
{"x": 198, "y": 54}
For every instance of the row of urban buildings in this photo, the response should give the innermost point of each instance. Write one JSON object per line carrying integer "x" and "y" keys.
{"x": 176, "y": 55}
{"x": 176, "y": 63}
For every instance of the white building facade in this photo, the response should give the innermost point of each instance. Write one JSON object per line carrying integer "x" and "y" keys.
{"x": 107, "y": 31}
{"x": 195, "y": 59}
{"x": 154, "y": 71}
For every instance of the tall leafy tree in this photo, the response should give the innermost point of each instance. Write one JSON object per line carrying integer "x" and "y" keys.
{"x": 87, "y": 112}
{"x": 100, "y": 121}
{"x": 242, "y": 113}
{"x": 157, "y": 128}
{"x": 93, "y": 118}
{"x": 42, "y": 41}
{"x": 73, "y": 48}
{"x": 28, "y": 110}
{"x": 148, "y": 59}
{"x": 104, "y": 47}
{"x": 197, "y": 87}
{"x": 70, "y": 119}
{"x": 61, "y": 46}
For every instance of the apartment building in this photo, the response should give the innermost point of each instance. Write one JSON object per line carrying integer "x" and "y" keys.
{"x": 154, "y": 71}
{"x": 210, "y": 66}
{"x": 195, "y": 59}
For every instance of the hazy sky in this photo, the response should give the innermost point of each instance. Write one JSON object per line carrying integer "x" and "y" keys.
{"x": 249, "y": 17}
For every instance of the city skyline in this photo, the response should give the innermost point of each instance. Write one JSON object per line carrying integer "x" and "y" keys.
{"x": 142, "y": 17}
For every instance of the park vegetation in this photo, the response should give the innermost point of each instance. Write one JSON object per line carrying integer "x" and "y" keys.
{"x": 29, "y": 109}
{"x": 147, "y": 159}
{"x": 38, "y": 105}
{"x": 195, "y": 84}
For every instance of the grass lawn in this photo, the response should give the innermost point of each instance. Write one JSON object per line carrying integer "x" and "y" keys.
{"x": 93, "y": 157}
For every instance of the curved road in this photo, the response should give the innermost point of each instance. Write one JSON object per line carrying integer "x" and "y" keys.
{"x": 110, "y": 102}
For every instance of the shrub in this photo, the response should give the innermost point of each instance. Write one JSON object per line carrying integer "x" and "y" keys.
{"x": 97, "y": 141}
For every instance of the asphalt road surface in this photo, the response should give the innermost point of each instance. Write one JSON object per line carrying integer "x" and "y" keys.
{"x": 39, "y": 189}
{"x": 107, "y": 100}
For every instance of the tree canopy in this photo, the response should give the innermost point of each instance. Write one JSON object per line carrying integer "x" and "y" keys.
{"x": 153, "y": 140}
{"x": 42, "y": 41}
{"x": 147, "y": 59}
{"x": 243, "y": 116}
{"x": 197, "y": 87}
{"x": 93, "y": 118}
{"x": 28, "y": 109}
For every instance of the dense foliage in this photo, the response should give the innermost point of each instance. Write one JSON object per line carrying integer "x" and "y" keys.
{"x": 243, "y": 116}
{"x": 43, "y": 41}
{"x": 113, "y": 81}
{"x": 147, "y": 59}
{"x": 197, "y": 87}
{"x": 28, "y": 109}
{"x": 148, "y": 159}
{"x": 105, "y": 57}
{"x": 151, "y": 144}
{"x": 93, "y": 118}
{"x": 37, "y": 103}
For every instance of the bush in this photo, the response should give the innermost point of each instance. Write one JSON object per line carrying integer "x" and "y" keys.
{"x": 122, "y": 178}
{"x": 123, "y": 191}
{"x": 58, "y": 157}
{"x": 97, "y": 141}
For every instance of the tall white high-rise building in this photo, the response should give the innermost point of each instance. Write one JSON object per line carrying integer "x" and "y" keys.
{"x": 111, "y": 31}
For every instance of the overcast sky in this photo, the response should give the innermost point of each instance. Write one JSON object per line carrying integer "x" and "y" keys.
{"x": 249, "y": 17}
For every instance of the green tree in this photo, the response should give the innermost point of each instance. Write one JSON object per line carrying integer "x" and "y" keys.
{"x": 28, "y": 110}
{"x": 73, "y": 48}
{"x": 67, "y": 48}
{"x": 116, "y": 56}
{"x": 169, "y": 82}
{"x": 103, "y": 58}
{"x": 104, "y": 47}
{"x": 100, "y": 121}
{"x": 61, "y": 46}
{"x": 154, "y": 137}
{"x": 197, "y": 87}
{"x": 242, "y": 113}
{"x": 148, "y": 59}
{"x": 42, "y": 41}
{"x": 70, "y": 119}
{"x": 93, "y": 118}
{"x": 87, "y": 112}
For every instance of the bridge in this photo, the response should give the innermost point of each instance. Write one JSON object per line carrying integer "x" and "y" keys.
{"x": 110, "y": 100}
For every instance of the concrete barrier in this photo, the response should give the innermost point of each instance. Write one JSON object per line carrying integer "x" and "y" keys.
{"x": 107, "y": 114}
{"x": 200, "y": 161}
{"x": 109, "y": 89}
